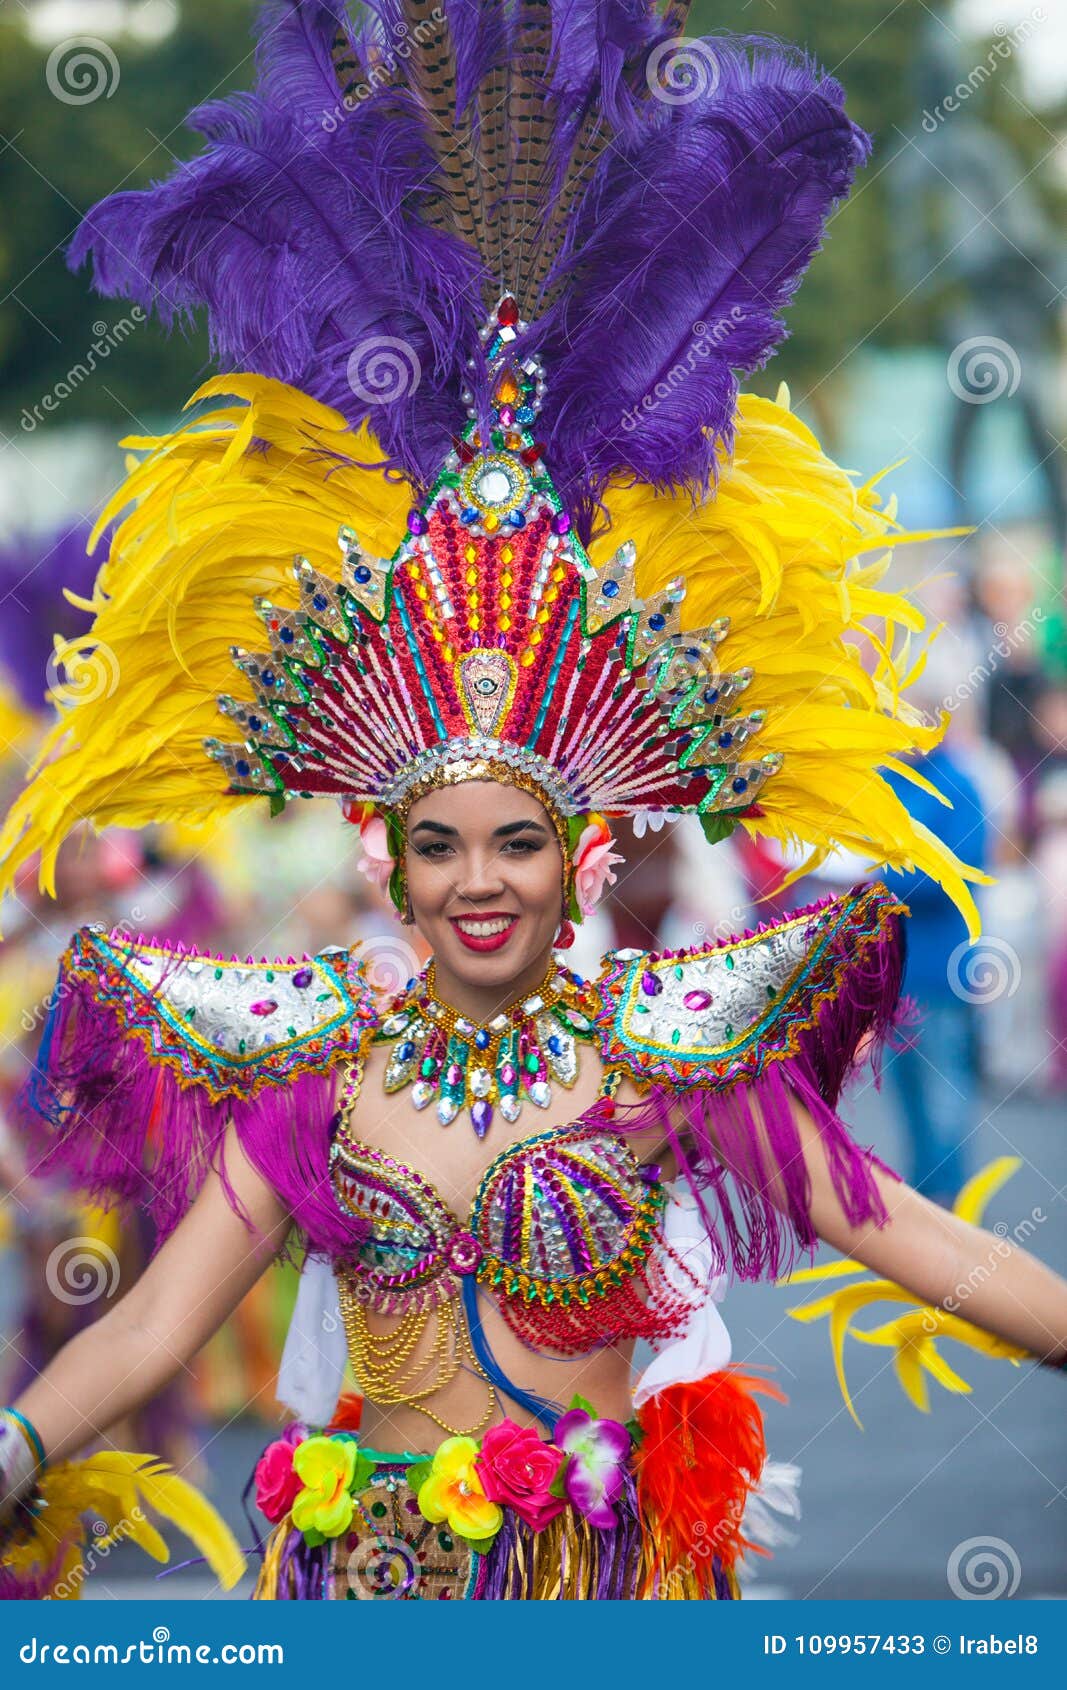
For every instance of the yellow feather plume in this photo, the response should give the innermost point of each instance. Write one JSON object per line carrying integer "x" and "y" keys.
{"x": 784, "y": 550}
{"x": 118, "y": 1487}
{"x": 219, "y": 511}
{"x": 912, "y": 1335}
{"x": 215, "y": 513}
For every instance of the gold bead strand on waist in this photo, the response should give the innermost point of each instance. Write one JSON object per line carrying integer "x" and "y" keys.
{"x": 388, "y": 1369}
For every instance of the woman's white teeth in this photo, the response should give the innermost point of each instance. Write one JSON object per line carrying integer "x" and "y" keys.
{"x": 479, "y": 928}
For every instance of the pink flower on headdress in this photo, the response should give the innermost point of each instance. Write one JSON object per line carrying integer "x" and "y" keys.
{"x": 593, "y": 858}
{"x": 376, "y": 862}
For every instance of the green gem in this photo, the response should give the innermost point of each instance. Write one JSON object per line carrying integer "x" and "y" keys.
{"x": 676, "y": 1035}
{"x": 426, "y": 1067}
{"x": 446, "y": 1542}
{"x": 218, "y": 973}
{"x": 269, "y": 974}
{"x": 531, "y": 1293}
{"x": 533, "y": 1063}
{"x": 728, "y": 1031}
{"x": 241, "y": 1046}
{"x": 498, "y": 1276}
{"x": 378, "y": 1509}
{"x": 679, "y": 972}
{"x": 728, "y": 960}
{"x": 550, "y": 1295}
{"x": 583, "y": 1295}
{"x": 772, "y": 991}
{"x": 565, "y": 1298}
{"x": 190, "y": 1012}
{"x": 642, "y": 1009}
{"x": 291, "y": 1032}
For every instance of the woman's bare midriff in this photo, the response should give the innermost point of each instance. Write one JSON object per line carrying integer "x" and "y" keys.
{"x": 453, "y": 1160}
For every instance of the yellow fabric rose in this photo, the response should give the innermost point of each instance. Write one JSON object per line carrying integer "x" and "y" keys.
{"x": 453, "y": 1491}
{"x": 327, "y": 1467}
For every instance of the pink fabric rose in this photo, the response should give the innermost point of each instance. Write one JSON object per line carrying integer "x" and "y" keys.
{"x": 376, "y": 862}
{"x": 517, "y": 1468}
{"x": 593, "y": 858}
{"x": 277, "y": 1485}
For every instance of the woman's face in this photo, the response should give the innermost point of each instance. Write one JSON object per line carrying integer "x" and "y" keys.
{"x": 485, "y": 878}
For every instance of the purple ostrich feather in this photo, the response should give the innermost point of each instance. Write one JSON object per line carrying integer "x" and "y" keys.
{"x": 34, "y": 570}
{"x": 305, "y": 230}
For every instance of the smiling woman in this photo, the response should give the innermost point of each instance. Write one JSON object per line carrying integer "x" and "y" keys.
{"x": 505, "y": 624}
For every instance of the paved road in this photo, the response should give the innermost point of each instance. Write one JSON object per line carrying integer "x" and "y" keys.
{"x": 884, "y": 1508}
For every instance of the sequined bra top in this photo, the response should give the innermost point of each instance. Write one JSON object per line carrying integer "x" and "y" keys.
{"x": 557, "y": 1221}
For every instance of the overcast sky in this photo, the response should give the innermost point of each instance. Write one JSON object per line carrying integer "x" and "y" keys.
{"x": 1043, "y": 55}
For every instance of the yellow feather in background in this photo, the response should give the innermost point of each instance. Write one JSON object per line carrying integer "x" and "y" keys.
{"x": 911, "y": 1336}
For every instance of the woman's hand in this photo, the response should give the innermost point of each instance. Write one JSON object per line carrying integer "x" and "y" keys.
{"x": 194, "y": 1283}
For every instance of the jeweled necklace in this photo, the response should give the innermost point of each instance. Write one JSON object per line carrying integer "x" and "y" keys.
{"x": 446, "y": 1056}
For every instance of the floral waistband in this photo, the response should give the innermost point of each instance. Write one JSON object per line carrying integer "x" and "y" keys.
{"x": 316, "y": 1478}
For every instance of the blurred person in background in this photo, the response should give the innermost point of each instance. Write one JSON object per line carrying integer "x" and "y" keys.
{"x": 934, "y": 1072}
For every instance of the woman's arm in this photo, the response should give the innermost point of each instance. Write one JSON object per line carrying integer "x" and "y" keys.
{"x": 942, "y": 1259}
{"x": 182, "y": 1298}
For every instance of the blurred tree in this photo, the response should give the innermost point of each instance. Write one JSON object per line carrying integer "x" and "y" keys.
{"x": 850, "y": 296}
{"x": 56, "y": 159}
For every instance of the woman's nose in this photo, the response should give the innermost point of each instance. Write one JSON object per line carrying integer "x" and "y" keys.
{"x": 482, "y": 877}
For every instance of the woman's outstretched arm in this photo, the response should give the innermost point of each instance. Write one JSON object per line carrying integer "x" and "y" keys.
{"x": 942, "y": 1259}
{"x": 194, "y": 1283}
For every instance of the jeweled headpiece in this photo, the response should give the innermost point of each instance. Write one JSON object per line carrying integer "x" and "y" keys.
{"x": 490, "y": 647}
{"x": 618, "y": 582}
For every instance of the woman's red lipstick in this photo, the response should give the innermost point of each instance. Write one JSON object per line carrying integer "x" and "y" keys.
{"x": 485, "y": 941}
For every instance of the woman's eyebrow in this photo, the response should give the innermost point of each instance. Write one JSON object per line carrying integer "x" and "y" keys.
{"x": 435, "y": 827}
{"x": 511, "y": 828}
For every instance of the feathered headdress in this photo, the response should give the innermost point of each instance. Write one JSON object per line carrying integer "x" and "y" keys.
{"x": 498, "y": 270}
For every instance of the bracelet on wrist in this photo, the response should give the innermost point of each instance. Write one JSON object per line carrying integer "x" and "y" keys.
{"x": 29, "y": 1432}
{"x": 21, "y": 1456}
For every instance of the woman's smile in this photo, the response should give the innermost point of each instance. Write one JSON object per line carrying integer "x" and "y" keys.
{"x": 485, "y": 930}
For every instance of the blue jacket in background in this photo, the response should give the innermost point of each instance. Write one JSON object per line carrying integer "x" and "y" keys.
{"x": 936, "y": 926}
